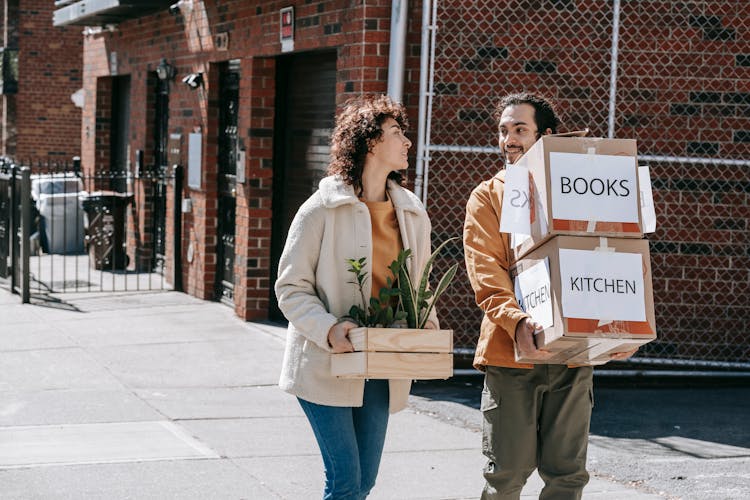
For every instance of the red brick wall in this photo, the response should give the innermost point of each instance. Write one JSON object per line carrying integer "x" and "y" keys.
{"x": 186, "y": 41}
{"x": 48, "y": 124}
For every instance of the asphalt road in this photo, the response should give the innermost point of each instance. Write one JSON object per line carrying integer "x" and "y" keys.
{"x": 686, "y": 438}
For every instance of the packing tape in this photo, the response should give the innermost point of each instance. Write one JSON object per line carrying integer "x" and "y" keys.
{"x": 603, "y": 246}
{"x": 591, "y": 226}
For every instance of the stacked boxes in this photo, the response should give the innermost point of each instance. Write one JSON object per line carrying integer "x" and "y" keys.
{"x": 584, "y": 271}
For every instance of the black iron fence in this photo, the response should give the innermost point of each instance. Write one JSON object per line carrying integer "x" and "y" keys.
{"x": 67, "y": 230}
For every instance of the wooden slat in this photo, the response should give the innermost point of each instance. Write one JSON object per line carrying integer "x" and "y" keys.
{"x": 401, "y": 340}
{"x": 392, "y": 365}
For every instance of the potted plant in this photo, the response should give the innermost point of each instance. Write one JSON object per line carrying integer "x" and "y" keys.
{"x": 392, "y": 341}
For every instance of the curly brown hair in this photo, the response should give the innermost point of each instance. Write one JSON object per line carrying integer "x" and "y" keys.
{"x": 358, "y": 129}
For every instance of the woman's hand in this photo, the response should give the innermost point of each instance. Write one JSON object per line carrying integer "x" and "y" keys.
{"x": 338, "y": 337}
{"x": 429, "y": 325}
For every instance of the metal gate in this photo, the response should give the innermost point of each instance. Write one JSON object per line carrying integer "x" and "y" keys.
{"x": 672, "y": 75}
{"x": 5, "y": 219}
{"x": 228, "y": 149}
{"x": 82, "y": 236}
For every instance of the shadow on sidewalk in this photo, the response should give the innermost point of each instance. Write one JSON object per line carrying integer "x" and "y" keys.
{"x": 712, "y": 409}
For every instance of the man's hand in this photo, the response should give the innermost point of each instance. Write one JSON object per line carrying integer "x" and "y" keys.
{"x": 338, "y": 337}
{"x": 526, "y": 342}
{"x": 622, "y": 355}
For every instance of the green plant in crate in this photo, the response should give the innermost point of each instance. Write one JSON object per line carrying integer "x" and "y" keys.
{"x": 413, "y": 299}
{"x": 381, "y": 310}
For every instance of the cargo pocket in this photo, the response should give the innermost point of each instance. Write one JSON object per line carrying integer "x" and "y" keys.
{"x": 490, "y": 407}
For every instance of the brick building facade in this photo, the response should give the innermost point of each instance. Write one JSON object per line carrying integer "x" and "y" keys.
{"x": 42, "y": 69}
{"x": 683, "y": 91}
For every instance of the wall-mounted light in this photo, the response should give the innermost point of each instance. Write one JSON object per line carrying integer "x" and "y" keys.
{"x": 165, "y": 71}
{"x": 180, "y": 7}
{"x": 193, "y": 80}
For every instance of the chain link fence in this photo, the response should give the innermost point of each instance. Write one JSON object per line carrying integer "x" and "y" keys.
{"x": 673, "y": 75}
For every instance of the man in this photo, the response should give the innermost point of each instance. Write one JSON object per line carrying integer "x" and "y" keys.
{"x": 535, "y": 416}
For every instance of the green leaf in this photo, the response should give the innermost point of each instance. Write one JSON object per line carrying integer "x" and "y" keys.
{"x": 425, "y": 279}
{"x": 407, "y": 297}
{"x": 445, "y": 281}
{"x": 388, "y": 315}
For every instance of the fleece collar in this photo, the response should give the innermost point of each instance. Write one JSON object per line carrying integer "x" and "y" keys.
{"x": 335, "y": 192}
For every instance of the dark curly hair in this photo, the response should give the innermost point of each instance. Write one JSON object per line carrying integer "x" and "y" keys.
{"x": 358, "y": 129}
{"x": 544, "y": 113}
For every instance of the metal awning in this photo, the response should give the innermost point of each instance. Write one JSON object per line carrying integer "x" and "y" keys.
{"x": 101, "y": 12}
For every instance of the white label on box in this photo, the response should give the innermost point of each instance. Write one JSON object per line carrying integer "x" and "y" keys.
{"x": 598, "y": 285}
{"x": 534, "y": 293}
{"x": 648, "y": 212}
{"x": 593, "y": 187}
{"x": 516, "y": 215}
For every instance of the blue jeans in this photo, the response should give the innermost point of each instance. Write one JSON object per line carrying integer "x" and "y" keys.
{"x": 351, "y": 441}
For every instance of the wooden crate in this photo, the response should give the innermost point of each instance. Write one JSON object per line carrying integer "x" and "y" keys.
{"x": 396, "y": 353}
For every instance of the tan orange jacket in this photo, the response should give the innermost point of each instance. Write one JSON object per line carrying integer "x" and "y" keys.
{"x": 487, "y": 253}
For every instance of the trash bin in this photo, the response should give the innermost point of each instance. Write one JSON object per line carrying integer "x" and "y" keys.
{"x": 58, "y": 200}
{"x": 105, "y": 234}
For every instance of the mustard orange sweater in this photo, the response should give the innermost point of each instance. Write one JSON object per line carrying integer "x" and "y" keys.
{"x": 386, "y": 242}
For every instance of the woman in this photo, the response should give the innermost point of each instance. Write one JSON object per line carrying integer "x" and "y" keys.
{"x": 360, "y": 210}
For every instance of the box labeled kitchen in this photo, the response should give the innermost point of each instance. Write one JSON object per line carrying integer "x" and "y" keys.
{"x": 396, "y": 353}
{"x": 583, "y": 186}
{"x": 583, "y": 290}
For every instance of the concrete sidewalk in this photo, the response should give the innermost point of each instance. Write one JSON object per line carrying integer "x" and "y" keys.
{"x": 161, "y": 395}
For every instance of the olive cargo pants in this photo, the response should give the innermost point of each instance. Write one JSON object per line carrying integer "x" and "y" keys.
{"x": 536, "y": 419}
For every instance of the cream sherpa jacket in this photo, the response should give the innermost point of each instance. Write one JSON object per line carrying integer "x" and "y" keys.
{"x": 314, "y": 290}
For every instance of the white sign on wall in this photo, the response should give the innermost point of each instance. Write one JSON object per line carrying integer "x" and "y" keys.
{"x": 602, "y": 285}
{"x": 593, "y": 187}
{"x": 195, "y": 153}
{"x": 286, "y": 29}
{"x": 534, "y": 293}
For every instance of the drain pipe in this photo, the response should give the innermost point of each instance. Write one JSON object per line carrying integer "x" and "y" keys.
{"x": 424, "y": 70}
{"x": 397, "y": 51}
{"x": 613, "y": 67}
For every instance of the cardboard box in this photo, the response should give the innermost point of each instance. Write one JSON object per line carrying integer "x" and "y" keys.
{"x": 396, "y": 353}
{"x": 584, "y": 351}
{"x": 582, "y": 186}
{"x": 592, "y": 296}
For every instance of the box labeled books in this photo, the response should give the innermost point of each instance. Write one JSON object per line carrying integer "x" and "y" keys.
{"x": 581, "y": 186}
{"x": 396, "y": 353}
{"x": 592, "y": 297}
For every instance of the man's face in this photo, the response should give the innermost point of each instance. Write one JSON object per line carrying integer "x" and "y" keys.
{"x": 517, "y": 131}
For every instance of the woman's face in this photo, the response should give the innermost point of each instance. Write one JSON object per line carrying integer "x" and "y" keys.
{"x": 391, "y": 152}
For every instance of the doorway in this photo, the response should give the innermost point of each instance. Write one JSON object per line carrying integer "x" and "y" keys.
{"x": 120, "y": 131}
{"x": 305, "y": 112}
